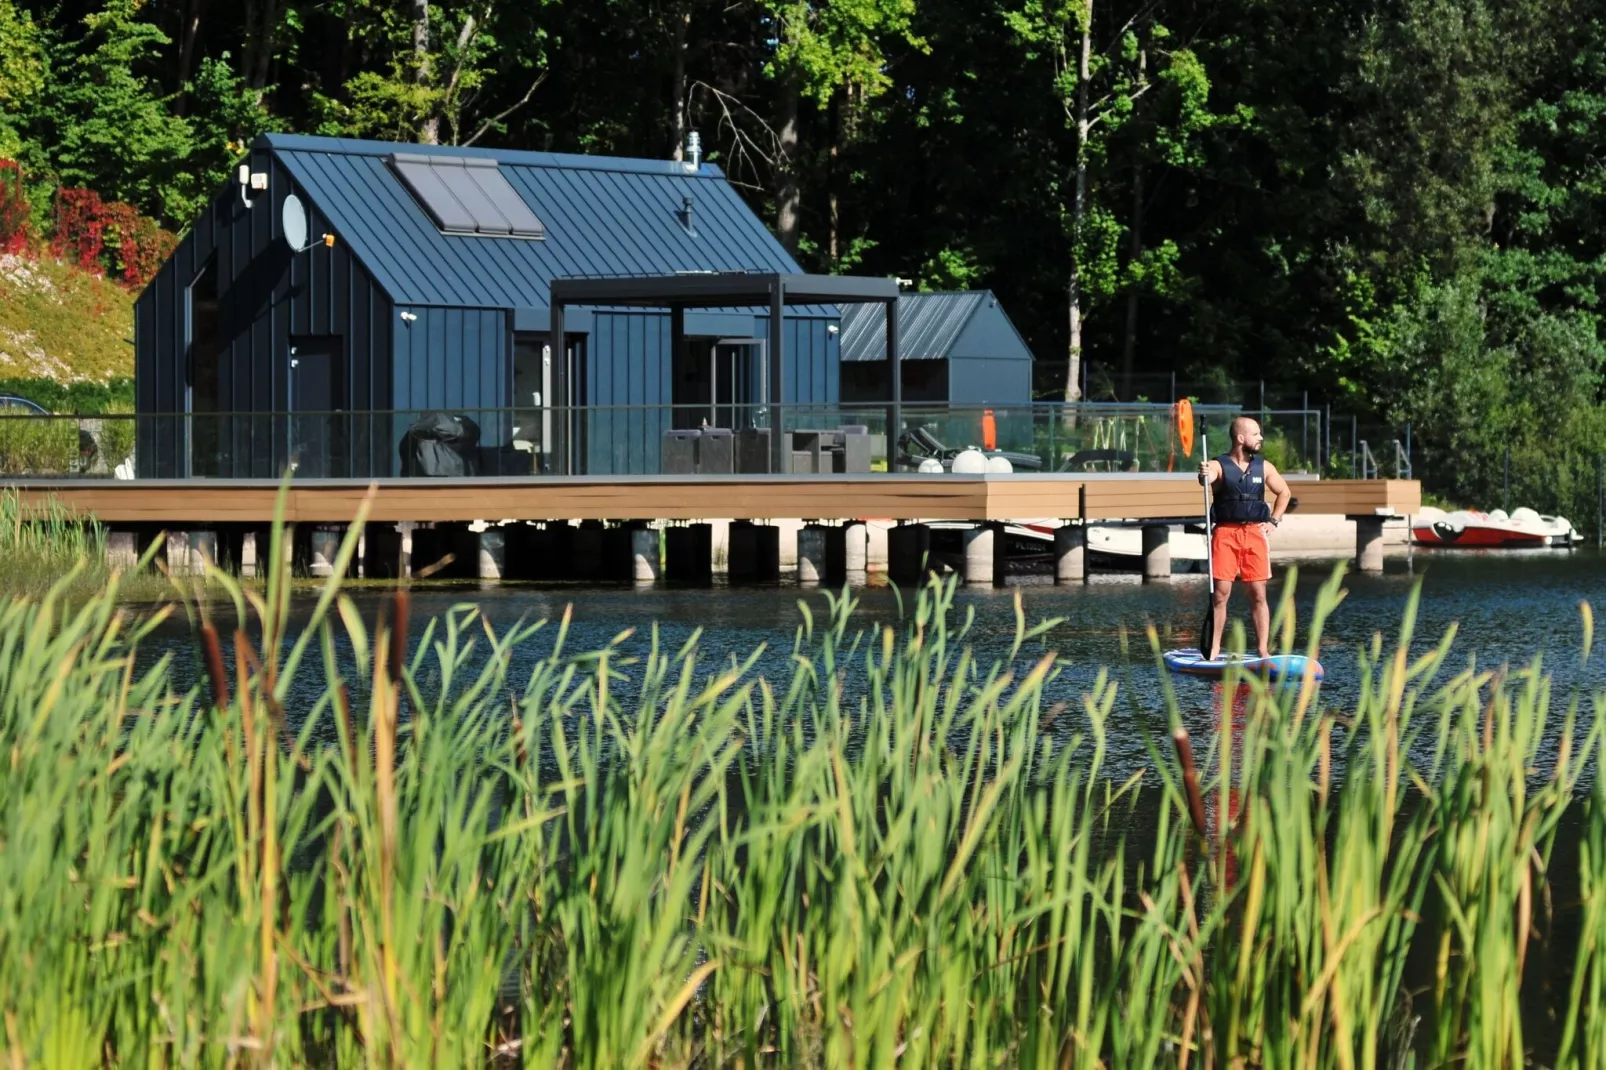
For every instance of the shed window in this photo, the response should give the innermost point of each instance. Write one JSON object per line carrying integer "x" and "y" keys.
{"x": 467, "y": 196}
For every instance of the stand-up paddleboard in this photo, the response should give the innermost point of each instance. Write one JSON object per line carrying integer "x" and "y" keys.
{"x": 1278, "y": 667}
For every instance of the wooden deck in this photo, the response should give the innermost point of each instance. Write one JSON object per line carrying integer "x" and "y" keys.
{"x": 1139, "y": 497}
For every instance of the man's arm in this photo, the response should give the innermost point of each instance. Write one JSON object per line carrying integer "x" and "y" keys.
{"x": 1278, "y": 486}
{"x": 1211, "y": 471}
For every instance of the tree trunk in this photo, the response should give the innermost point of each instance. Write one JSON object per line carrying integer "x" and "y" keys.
{"x": 833, "y": 194}
{"x": 260, "y": 33}
{"x": 1129, "y": 342}
{"x": 188, "y": 32}
{"x": 429, "y": 127}
{"x": 1073, "y": 370}
{"x": 677, "y": 85}
{"x": 788, "y": 194}
{"x": 1134, "y": 252}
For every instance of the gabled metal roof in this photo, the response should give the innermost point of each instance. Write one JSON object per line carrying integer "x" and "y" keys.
{"x": 603, "y": 216}
{"x": 931, "y": 325}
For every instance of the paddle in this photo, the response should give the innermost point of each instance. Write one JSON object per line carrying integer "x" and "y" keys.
{"x": 1207, "y": 627}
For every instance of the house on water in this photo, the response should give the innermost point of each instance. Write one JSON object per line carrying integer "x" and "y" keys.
{"x": 958, "y": 349}
{"x": 262, "y": 342}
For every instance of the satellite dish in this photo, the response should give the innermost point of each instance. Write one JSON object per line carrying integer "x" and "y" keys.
{"x": 293, "y": 218}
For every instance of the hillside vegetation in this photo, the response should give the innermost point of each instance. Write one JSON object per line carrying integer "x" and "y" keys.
{"x": 60, "y": 324}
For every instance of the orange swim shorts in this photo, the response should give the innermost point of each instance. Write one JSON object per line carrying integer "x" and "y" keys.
{"x": 1241, "y": 552}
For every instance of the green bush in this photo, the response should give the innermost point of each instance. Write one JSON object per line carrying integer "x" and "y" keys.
{"x": 38, "y": 446}
{"x": 117, "y": 395}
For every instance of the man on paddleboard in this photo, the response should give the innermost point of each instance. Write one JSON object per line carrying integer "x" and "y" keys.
{"x": 1240, "y": 542}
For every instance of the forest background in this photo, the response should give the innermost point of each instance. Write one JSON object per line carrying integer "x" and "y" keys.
{"x": 1391, "y": 207}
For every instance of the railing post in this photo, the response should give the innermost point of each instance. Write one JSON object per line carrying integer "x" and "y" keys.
{"x": 1505, "y": 483}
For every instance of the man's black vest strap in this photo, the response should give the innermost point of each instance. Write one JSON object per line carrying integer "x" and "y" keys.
{"x": 1241, "y": 497}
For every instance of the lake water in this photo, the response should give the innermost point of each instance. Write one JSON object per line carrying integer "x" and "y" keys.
{"x": 1509, "y": 606}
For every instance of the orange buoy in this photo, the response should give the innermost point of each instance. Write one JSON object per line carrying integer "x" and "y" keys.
{"x": 989, "y": 430}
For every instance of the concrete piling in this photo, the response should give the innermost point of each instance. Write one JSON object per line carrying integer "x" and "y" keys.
{"x": 811, "y": 551}
{"x": 492, "y": 550}
{"x": 644, "y": 562}
{"x": 689, "y": 553}
{"x": 1070, "y": 553}
{"x": 1368, "y": 543}
{"x": 122, "y": 550}
{"x": 908, "y": 553}
{"x": 1156, "y": 552}
{"x": 753, "y": 553}
{"x": 855, "y": 552}
{"x": 325, "y": 550}
{"x": 983, "y": 555}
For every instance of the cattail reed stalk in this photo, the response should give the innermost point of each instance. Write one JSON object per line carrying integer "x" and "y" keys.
{"x": 402, "y": 601}
{"x": 1190, "y": 779}
{"x": 214, "y": 666}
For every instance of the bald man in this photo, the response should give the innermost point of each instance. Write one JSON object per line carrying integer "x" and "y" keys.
{"x": 1240, "y": 545}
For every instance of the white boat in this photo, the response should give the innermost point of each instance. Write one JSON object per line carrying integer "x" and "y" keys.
{"x": 1467, "y": 528}
{"x": 1121, "y": 548}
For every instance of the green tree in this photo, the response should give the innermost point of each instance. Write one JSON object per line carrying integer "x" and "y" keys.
{"x": 823, "y": 50}
{"x": 438, "y": 63}
{"x": 106, "y": 125}
{"x": 22, "y": 72}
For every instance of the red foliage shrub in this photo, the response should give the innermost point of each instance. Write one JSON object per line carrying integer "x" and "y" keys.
{"x": 80, "y": 228}
{"x": 109, "y": 237}
{"x": 16, "y": 227}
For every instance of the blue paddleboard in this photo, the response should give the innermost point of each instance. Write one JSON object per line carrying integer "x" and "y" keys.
{"x": 1277, "y": 667}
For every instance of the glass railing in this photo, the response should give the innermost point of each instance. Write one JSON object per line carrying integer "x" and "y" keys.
{"x": 640, "y": 440}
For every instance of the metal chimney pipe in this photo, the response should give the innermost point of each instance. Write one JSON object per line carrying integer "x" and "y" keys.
{"x": 694, "y": 150}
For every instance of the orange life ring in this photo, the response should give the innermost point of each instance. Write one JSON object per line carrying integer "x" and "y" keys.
{"x": 989, "y": 430}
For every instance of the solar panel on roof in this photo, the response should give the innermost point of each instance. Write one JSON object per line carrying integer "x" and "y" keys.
{"x": 506, "y": 199}
{"x": 467, "y": 196}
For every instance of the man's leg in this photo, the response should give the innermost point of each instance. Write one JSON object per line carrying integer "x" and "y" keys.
{"x": 1218, "y": 606}
{"x": 1262, "y": 615}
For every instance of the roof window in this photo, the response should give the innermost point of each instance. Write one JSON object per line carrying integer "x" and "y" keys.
{"x": 467, "y": 195}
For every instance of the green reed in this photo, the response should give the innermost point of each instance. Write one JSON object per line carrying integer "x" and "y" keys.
{"x": 40, "y": 543}
{"x": 896, "y": 854}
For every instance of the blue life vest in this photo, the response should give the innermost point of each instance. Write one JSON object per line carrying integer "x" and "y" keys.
{"x": 1241, "y": 496}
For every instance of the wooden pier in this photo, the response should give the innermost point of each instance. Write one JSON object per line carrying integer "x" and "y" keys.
{"x": 1112, "y": 498}
{"x": 602, "y": 528}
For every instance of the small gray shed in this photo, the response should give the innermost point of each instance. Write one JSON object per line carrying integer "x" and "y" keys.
{"x": 958, "y": 348}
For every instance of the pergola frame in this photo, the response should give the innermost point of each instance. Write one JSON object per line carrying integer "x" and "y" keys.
{"x": 771, "y": 290}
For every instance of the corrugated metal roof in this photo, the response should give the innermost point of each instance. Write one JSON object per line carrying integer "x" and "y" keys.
{"x": 603, "y": 216}
{"x": 928, "y": 325}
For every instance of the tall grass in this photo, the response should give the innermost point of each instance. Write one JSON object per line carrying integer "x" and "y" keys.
{"x": 42, "y": 545}
{"x": 885, "y": 858}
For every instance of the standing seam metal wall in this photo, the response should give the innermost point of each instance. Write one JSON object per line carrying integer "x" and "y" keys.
{"x": 266, "y": 296}
{"x": 456, "y": 360}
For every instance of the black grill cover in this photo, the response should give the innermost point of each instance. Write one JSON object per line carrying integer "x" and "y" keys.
{"x": 439, "y": 444}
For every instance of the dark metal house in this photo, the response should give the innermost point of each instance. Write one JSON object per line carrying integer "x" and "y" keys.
{"x": 430, "y": 295}
{"x": 956, "y": 349}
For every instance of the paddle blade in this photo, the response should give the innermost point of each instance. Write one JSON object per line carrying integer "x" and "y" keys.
{"x": 1207, "y": 625}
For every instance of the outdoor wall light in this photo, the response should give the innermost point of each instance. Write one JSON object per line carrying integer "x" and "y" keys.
{"x": 408, "y": 317}
{"x": 832, "y": 329}
{"x": 252, "y": 180}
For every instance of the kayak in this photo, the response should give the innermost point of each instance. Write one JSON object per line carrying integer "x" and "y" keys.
{"x": 1279, "y": 666}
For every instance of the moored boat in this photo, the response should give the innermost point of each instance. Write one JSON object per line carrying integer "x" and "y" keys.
{"x": 1468, "y": 529}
